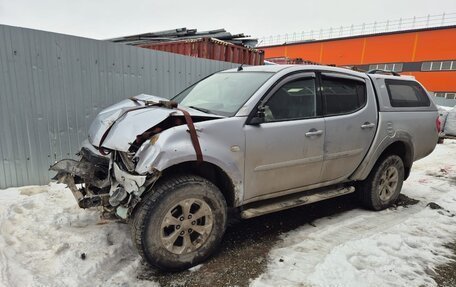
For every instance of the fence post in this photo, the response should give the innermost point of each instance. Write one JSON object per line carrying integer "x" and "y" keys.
{"x": 443, "y": 19}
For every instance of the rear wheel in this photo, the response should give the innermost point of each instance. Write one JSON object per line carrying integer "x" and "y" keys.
{"x": 383, "y": 185}
{"x": 180, "y": 223}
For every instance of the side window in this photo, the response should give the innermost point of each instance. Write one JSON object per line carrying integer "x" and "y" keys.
{"x": 294, "y": 100}
{"x": 406, "y": 94}
{"x": 342, "y": 96}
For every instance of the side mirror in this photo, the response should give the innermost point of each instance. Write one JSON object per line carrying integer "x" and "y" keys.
{"x": 259, "y": 117}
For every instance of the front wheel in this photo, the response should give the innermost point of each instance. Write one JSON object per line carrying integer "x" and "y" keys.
{"x": 180, "y": 223}
{"x": 383, "y": 185}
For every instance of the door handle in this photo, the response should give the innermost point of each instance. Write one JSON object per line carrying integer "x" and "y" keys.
{"x": 314, "y": 132}
{"x": 367, "y": 125}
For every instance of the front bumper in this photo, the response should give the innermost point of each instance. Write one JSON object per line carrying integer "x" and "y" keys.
{"x": 88, "y": 178}
{"x": 100, "y": 181}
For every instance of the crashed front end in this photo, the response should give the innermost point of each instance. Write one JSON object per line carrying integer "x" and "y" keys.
{"x": 111, "y": 172}
{"x": 97, "y": 180}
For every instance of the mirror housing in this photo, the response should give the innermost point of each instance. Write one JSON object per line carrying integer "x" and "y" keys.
{"x": 259, "y": 117}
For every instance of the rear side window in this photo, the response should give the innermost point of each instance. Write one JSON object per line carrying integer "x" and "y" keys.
{"x": 342, "y": 96}
{"x": 406, "y": 94}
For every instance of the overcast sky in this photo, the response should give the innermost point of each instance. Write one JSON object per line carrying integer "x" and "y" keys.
{"x": 103, "y": 19}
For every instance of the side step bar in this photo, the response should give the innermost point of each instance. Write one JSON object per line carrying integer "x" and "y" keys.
{"x": 294, "y": 201}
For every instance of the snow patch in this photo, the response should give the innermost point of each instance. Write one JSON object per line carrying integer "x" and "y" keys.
{"x": 196, "y": 268}
{"x": 47, "y": 240}
{"x": 394, "y": 247}
{"x": 44, "y": 234}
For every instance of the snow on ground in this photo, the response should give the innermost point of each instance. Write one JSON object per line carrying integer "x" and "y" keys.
{"x": 43, "y": 234}
{"x": 395, "y": 247}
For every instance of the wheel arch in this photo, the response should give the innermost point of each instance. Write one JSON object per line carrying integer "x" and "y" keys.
{"x": 401, "y": 145}
{"x": 404, "y": 151}
{"x": 211, "y": 172}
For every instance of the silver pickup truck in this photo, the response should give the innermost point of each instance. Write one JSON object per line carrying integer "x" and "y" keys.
{"x": 254, "y": 140}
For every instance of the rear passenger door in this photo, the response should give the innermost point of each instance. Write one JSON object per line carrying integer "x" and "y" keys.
{"x": 350, "y": 114}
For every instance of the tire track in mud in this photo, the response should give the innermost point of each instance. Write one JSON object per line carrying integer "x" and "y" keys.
{"x": 317, "y": 244}
{"x": 445, "y": 275}
{"x": 244, "y": 253}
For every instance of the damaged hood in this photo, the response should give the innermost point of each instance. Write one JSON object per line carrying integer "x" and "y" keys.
{"x": 122, "y": 122}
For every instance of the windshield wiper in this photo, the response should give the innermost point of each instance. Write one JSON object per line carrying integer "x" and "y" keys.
{"x": 201, "y": 109}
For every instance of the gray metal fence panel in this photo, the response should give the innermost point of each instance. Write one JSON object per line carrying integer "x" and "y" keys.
{"x": 53, "y": 85}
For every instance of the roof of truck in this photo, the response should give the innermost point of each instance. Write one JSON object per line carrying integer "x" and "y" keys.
{"x": 278, "y": 68}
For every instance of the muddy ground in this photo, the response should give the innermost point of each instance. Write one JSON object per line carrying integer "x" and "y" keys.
{"x": 445, "y": 275}
{"x": 243, "y": 255}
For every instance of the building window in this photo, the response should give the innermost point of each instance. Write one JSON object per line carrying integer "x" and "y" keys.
{"x": 438, "y": 66}
{"x": 450, "y": 95}
{"x": 398, "y": 67}
{"x": 426, "y": 66}
{"x": 447, "y": 65}
{"x": 395, "y": 67}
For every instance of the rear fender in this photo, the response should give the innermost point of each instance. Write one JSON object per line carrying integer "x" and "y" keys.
{"x": 362, "y": 172}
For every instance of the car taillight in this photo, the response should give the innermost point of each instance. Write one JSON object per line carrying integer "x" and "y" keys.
{"x": 437, "y": 124}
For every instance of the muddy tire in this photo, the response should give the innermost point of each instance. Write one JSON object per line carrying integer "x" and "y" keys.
{"x": 179, "y": 223}
{"x": 383, "y": 185}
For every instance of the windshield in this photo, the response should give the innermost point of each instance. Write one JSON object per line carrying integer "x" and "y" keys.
{"x": 222, "y": 93}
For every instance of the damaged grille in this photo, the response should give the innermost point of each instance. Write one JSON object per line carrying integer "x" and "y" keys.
{"x": 87, "y": 178}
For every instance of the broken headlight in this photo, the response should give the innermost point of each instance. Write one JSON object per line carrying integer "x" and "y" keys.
{"x": 125, "y": 160}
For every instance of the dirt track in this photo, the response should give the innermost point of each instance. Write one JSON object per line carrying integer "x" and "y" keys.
{"x": 245, "y": 247}
{"x": 243, "y": 255}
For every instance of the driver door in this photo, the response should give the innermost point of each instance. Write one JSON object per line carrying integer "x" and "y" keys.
{"x": 285, "y": 152}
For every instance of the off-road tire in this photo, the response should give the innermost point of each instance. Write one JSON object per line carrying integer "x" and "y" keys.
{"x": 368, "y": 191}
{"x": 146, "y": 224}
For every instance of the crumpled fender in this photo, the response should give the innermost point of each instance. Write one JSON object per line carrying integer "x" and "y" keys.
{"x": 174, "y": 147}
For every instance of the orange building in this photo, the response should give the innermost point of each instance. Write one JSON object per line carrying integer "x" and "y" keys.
{"x": 428, "y": 54}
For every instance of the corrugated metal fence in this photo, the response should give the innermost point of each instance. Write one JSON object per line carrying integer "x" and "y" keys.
{"x": 53, "y": 85}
